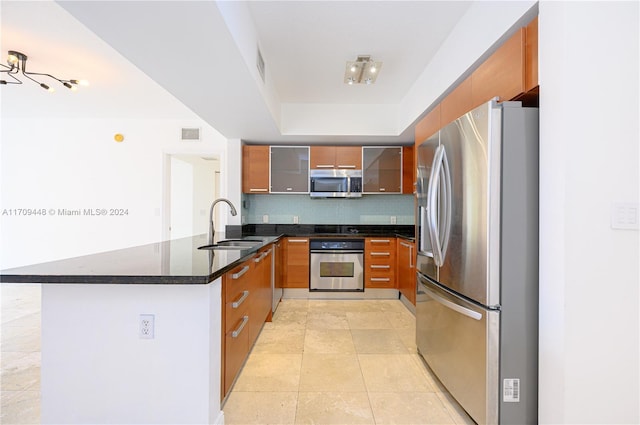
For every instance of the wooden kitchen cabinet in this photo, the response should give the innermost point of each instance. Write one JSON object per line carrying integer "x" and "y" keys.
{"x": 296, "y": 272}
{"x": 502, "y": 74}
{"x": 382, "y": 169}
{"x": 261, "y": 292}
{"x": 531, "y": 56}
{"x": 457, "y": 103}
{"x": 246, "y": 301}
{"x": 236, "y": 292}
{"x": 255, "y": 169}
{"x": 408, "y": 170}
{"x": 289, "y": 169}
{"x": 380, "y": 262}
{"x": 427, "y": 126}
{"x": 406, "y": 269}
{"x": 510, "y": 73}
{"x": 335, "y": 157}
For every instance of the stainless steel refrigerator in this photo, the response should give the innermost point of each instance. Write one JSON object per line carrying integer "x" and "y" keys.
{"x": 477, "y": 265}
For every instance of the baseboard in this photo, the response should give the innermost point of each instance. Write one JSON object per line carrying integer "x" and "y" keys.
{"x": 368, "y": 294}
{"x": 407, "y": 303}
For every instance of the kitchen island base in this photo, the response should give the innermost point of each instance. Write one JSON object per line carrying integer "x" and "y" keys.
{"x": 96, "y": 368}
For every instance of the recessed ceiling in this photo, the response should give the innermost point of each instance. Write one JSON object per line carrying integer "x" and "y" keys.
{"x": 306, "y": 45}
{"x": 203, "y": 53}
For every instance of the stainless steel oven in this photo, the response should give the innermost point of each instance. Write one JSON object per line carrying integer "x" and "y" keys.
{"x": 336, "y": 265}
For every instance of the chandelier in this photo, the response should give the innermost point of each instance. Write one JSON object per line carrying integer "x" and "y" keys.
{"x": 18, "y": 65}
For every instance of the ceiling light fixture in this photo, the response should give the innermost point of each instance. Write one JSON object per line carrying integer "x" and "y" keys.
{"x": 363, "y": 70}
{"x": 18, "y": 65}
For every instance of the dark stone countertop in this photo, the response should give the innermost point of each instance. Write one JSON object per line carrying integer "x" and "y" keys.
{"x": 179, "y": 261}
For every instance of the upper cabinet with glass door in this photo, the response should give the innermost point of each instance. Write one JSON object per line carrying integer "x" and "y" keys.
{"x": 289, "y": 169}
{"x": 382, "y": 169}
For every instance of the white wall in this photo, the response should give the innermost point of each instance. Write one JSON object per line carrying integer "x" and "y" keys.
{"x": 589, "y": 332}
{"x": 67, "y": 163}
{"x": 98, "y": 370}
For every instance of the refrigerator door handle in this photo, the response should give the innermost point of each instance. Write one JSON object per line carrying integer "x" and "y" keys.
{"x": 453, "y": 306}
{"x": 439, "y": 170}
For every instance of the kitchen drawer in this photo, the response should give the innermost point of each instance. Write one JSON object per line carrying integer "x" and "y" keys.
{"x": 380, "y": 263}
{"x": 238, "y": 280}
{"x": 236, "y": 350}
{"x": 236, "y": 308}
{"x": 380, "y": 276}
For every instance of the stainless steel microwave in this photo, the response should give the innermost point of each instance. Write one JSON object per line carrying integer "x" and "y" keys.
{"x": 335, "y": 183}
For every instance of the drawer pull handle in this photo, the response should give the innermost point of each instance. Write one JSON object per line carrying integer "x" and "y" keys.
{"x": 258, "y": 190}
{"x": 346, "y": 166}
{"x": 380, "y": 279}
{"x": 380, "y": 267}
{"x": 382, "y": 189}
{"x": 298, "y": 240}
{"x": 380, "y": 241}
{"x": 324, "y": 166}
{"x": 240, "y": 300}
{"x": 380, "y": 254}
{"x": 235, "y": 333}
{"x": 406, "y": 245}
{"x": 240, "y": 273}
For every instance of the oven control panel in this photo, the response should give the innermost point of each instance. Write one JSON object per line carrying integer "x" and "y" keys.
{"x": 336, "y": 244}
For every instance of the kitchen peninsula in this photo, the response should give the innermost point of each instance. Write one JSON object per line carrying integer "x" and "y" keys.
{"x": 92, "y": 309}
{"x": 97, "y": 367}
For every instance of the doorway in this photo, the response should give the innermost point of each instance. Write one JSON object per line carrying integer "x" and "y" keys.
{"x": 193, "y": 184}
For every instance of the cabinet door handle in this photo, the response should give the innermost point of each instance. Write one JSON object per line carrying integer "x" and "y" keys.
{"x": 289, "y": 189}
{"x": 346, "y": 166}
{"x": 324, "y": 166}
{"x": 258, "y": 190}
{"x": 377, "y": 266}
{"x": 379, "y": 254}
{"x": 263, "y": 255}
{"x": 298, "y": 240}
{"x": 240, "y": 273}
{"x": 382, "y": 189}
{"x": 406, "y": 245}
{"x": 411, "y": 265}
{"x": 240, "y": 300}
{"x": 236, "y": 332}
{"x": 380, "y": 240}
{"x": 379, "y": 279}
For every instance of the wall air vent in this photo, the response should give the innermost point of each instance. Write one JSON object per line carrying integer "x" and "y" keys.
{"x": 260, "y": 65}
{"x": 190, "y": 135}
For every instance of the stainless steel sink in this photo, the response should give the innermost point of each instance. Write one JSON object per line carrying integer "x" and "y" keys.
{"x": 233, "y": 244}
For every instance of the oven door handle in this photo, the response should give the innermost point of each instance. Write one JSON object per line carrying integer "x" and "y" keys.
{"x": 337, "y": 251}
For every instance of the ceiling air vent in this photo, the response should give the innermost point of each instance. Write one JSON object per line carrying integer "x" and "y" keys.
{"x": 190, "y": 134}
{"x": 260, "y": 64}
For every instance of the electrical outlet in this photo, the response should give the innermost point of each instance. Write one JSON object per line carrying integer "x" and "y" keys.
{"x": 295, "y": 219}
{"x": 393, "y": 219}
{"x": 265, "y": 218}
{"x": 147, "y": 326}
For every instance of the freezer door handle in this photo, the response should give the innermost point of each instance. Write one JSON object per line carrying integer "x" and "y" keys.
{"x": 453, "y": 306}
{"x": 439, "y": 204}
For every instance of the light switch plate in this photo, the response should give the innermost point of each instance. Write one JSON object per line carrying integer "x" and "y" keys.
{"x": 265, "y": 218}
{"x": 624, "y": 215}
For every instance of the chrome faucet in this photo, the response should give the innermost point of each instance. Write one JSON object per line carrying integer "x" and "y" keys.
{"x": 212, "y": 229}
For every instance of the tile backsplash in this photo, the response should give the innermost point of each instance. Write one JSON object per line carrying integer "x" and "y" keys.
{"x": 370, "y": 209}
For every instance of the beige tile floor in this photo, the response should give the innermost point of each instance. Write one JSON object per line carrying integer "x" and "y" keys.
{"x": 20, "y": 354}
{"x": 339, "y": 362}
{"x": 318, "y": 362}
